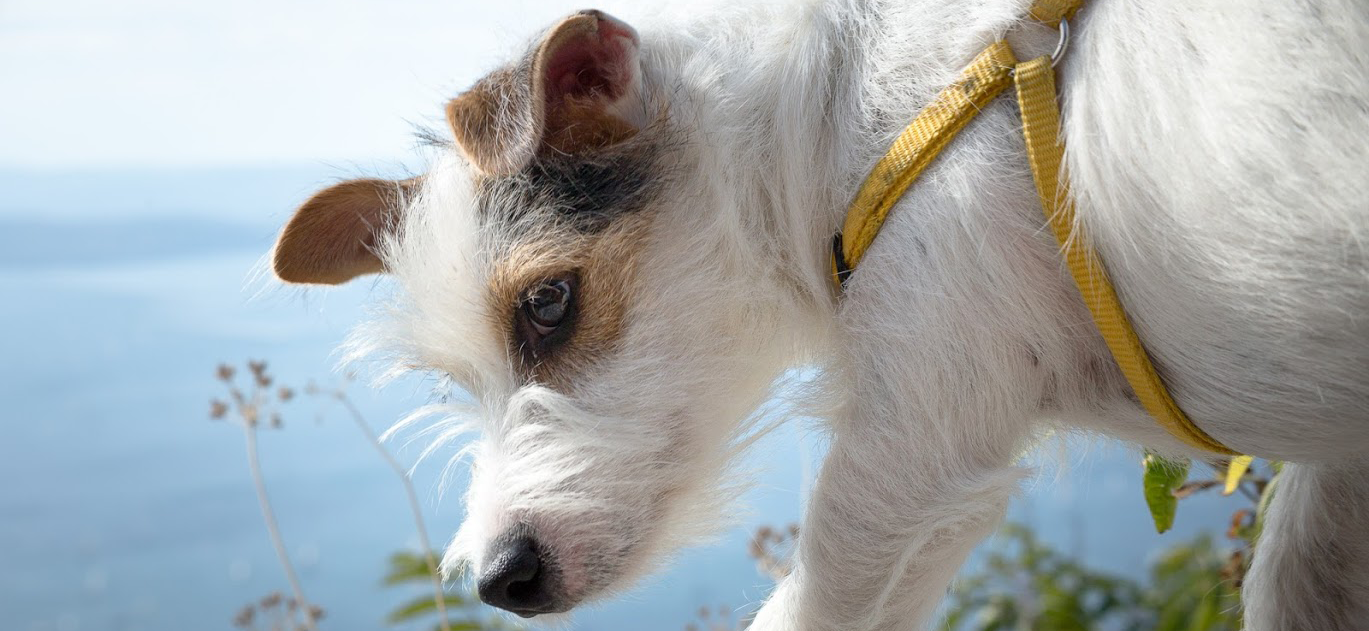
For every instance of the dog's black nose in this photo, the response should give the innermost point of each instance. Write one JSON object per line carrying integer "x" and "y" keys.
{"x": 516, "y": 578}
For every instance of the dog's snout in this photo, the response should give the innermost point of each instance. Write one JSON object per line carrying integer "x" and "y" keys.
{"x": 517, "y": 577}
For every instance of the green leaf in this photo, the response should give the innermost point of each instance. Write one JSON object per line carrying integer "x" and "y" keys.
{"x": 424, "y": 605}
{"x": 1162, "y": 477}
{"x": 421, "y": 606}
{"x": 462, "y": 626}
{"x": 1206, "y": 616}
{"x": 415, "y": 608}
{"x": 407, "y": 567}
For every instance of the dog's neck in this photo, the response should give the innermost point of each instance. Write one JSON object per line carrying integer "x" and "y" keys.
{"x": 794, "y": 105}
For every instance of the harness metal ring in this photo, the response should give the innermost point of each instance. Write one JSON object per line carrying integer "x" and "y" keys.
{"x": 1063, "y": 44}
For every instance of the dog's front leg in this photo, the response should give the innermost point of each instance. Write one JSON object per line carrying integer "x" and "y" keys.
{"x": 894, "y": 514}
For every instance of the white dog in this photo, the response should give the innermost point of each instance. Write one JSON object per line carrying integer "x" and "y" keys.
{"x": 629, "y": 241}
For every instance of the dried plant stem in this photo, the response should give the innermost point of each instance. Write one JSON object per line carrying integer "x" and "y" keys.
{"x": 439, "y": 595}
{"x": 269, "y": 516}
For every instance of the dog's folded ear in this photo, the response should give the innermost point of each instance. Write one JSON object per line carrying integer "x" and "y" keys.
{"x": 332, "y": 238}
{"x": 579, "y": 91}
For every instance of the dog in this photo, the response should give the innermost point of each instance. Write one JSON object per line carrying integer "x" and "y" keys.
{"x": 625, "y": 243}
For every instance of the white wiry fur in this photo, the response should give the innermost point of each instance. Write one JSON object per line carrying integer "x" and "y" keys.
{"x": 1219, "y": 154}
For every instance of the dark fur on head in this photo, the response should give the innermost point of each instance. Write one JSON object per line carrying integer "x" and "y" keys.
{"x": 587, "y": 191}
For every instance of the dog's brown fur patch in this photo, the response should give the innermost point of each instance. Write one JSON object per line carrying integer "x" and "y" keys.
{"x": 578, "y": 126}
{"x": 605, "y": 264}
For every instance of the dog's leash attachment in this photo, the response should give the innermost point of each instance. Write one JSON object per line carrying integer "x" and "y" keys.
{"x": 1062, "y": 45}
{"x": 932, "y": 130}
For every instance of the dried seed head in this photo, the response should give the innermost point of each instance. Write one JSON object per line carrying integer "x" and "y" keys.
{"x": 244, "y": 618}
{"x": 271, "y": 600}
{"x": 315, "y": 613}
{"x": 217, "y": 409}
{"x": 225, "y": 372}
{"x": 250, "y": 414}
{"x": 285, "y": 394}
{"x": 755, "y": 549}
{"x": 275, "y": 421}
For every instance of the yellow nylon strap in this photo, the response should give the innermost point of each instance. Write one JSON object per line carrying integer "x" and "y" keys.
{"x": 1036, "y": 97}
{"x": 1050, "y": 12}
{"x": 985, "y": 78}
{"x": 919, "y": 144}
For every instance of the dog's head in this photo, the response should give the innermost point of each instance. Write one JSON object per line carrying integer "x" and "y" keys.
{"x": 571, "y": 263}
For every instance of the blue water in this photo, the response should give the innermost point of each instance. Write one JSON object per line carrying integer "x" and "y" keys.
{"x": 125, "y": 508}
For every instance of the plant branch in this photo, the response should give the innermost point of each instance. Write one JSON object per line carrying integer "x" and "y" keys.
{"x": 269, "y": 515}
{"x": 438, "y": 592}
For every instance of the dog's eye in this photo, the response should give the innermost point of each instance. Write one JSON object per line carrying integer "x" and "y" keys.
{"x": 547, "y": 305}
{"x": 545, "y": 316}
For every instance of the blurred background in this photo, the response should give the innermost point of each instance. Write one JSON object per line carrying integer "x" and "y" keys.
{"x": 149, "y": 151}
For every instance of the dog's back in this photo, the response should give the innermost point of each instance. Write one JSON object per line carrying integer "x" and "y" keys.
{"x": 1218, "y": 153}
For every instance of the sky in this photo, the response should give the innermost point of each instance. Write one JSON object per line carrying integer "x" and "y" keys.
{"x": 92, "y": 84}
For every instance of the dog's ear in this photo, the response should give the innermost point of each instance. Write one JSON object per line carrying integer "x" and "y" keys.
{"x": 580, "y": 91}
{"x": 332, "y": 238}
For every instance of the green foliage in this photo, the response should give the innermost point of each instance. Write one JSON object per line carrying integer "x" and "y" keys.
{"x": 464, "y": 613}
{"x": 1194, "y": 586}
{"x": 1192, "y": 589}
{"x": 1162, "y": 478}
{"x": 1028, "y": 586}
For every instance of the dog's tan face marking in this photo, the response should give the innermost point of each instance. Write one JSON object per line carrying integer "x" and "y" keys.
{"x": 600, "y": 268}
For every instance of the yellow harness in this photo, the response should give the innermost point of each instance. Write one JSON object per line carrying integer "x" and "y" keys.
{"x": 985, "y": 78}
